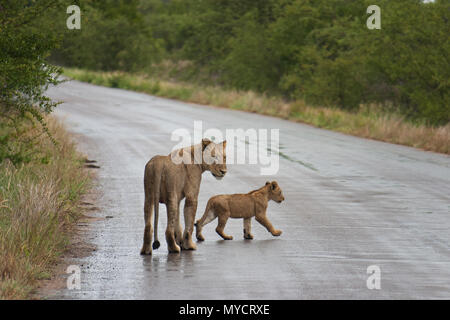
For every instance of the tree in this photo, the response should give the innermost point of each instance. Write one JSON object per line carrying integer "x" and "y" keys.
{"x": 24, "y": 71}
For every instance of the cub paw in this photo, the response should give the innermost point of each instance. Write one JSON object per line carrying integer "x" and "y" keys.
{"x": 277, "y": 233}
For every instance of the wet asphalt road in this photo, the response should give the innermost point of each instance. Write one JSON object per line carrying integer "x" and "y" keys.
{"x": 350, "y": 203}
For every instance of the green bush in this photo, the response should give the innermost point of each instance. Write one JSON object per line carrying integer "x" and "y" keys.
{"x": 113, "y": 36}
{"x": 320, "y": 51}
{"x": 26, "y": 40}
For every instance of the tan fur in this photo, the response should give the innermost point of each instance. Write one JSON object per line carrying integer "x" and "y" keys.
{"x": 168, "y": 182}
{"x": 246, "y": 206}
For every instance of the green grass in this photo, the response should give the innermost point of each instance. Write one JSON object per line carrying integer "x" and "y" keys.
{"x": 39, "y": 202}
{"x": 368, "y": 122}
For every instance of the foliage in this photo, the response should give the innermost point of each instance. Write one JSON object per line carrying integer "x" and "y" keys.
{"x": 113, "y": 36}
{"x": 25, "y": 43}
{"x": 39, "y": 202}
{"x": 320, "y": 51}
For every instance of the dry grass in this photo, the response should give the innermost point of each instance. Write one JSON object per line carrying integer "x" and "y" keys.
{"x": 38, "y": 203}
{"x": 369, "y": 122}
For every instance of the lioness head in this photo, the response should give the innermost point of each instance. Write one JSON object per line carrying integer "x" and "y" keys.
{"x": 214, "y": 158}
{"x": 275, "y": 192}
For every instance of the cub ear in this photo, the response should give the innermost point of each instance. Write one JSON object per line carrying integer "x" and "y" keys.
{"x": 267, "y": 183}
{"x": 205, "y": 143}
{"x": 274, "y": 185}
{"x": 224, "y": 143}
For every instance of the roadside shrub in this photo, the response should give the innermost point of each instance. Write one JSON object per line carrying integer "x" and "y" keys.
{"x": 25, "y": 43}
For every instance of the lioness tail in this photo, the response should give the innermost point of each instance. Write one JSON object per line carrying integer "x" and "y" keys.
{"x": 155, "y": 193}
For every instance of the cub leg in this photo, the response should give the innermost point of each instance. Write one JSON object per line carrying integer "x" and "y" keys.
{"x": 248, "y": 228}
{"x": 220, "y": 228}
{"x": 208, "y": 216}
{"x": 148, "y": 216}
{"x": 170, "y": 231}
{"x": 266, "y": 223}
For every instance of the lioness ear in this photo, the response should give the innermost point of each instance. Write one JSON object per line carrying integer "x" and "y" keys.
{"x": 205, "y": 143}
{"x": 224, "y": 144}
{"x": 274, "y": 185}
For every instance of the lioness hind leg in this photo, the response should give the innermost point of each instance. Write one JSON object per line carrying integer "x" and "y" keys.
{"x": 190, "y": 208}
{"x": 220, "y": 228}
{"x": 178, "y": 228}
{"x": 148, "y": 216}
{"x": 209, "y": 216}
{"x": 170, "y": 230}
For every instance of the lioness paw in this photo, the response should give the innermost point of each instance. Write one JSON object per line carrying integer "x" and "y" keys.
{"x": 174, "y": 249}
{"x": 146, "y": 251}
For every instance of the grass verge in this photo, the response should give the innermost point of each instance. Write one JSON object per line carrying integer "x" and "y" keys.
{"x": 369, "y": 122}
{"x": 39, "y": 202}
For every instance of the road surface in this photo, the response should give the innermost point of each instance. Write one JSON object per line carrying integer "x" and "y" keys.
{"x": 350, "y": 203}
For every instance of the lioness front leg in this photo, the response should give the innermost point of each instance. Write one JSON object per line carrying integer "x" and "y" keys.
{"x": 248, "y": 229}
{"x": 266, "y": 223}
{"x": 220, "y": 228}
{"x": 190, "y": 208}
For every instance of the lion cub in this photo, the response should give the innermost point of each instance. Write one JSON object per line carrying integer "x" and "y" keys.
{"x": 252, "y": 204}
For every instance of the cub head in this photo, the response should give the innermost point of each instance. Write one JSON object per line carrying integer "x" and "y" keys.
{"x": 275, "y": 192}
{"x": 214, "y": 158}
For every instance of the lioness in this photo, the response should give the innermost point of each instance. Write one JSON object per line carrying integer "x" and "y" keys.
{"x": 169, "y": 179}
{"x": 252, "y": 204}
